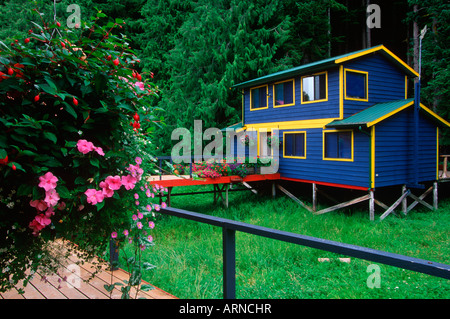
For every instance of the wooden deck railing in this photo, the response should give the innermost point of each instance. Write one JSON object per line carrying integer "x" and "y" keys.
{"x": 229, "y": 228}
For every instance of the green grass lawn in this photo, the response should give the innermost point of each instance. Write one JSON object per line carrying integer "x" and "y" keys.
{"x": 188, "y": 254}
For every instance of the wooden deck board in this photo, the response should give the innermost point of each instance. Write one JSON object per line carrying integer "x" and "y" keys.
{"x": 66, "y": 284}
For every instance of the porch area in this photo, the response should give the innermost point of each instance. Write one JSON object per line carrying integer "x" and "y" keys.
{"x": 74, "y": 281}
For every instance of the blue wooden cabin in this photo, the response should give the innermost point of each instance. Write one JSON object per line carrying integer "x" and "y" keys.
{"x": 346, "y": 121}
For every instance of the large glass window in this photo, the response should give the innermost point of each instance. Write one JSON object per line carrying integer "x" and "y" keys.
{"x": 295, "y": 144}
{"x": 338, "y": 145}
{"x": 356, "y": 85}
{"x": 284, "y": 93}
{"x": 314, "y": 87}
{"x": 258, "y": 97}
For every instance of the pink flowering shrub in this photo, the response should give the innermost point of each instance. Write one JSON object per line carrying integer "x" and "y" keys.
{"x": 73, "y": 112}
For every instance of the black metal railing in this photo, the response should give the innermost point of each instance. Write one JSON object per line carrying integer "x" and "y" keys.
{"x": 229, "y": 228}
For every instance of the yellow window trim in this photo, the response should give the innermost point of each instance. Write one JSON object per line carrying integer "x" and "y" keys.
{"x": 286, "y": 125}
{"x": 267, "y": 98}
{"x": 372, "y": 158}
{"x": 367, "y": 85}
{"x": 326, "y": 88}
{"x": 284, "y": 144}
{"x": 293, "y": 93}
{"x": 337, "y": 159}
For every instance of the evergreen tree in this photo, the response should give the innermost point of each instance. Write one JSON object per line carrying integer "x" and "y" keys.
{"x": 435, "y": 80}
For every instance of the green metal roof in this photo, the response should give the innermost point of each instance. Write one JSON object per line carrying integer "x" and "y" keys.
{"x": 235, "y": 127}
{"x": 326, "y": 63}
{"x": 378, "y": 112}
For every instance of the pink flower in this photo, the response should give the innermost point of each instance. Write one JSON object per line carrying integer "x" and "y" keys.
{"x": 149, "y": 208}
{"x": 43, "y": 220}
{"x": 113, "y": 182}
{"x": 139, "y": 225}
{"x": 94, "y": 196}
{"x": 99, "y": 151}
{"x": 107, "y": 191}
{"x": 36, "y": 227}
{"x": 48, "y": 181}
{"x": 85, "y": 146}
{"x": 50, "y": 212}
{"x": 125, "y": 232}
{"x": 129, "y": 181}
{"x": 39, "y": 204}
{"x": 140, "y": 215}
{"x": 163, "y": 205}
{"x": 140, "y": 85}
{"x": 150, "y": 238}
{"x": 136, "y": 196}
{"x": 138, "y": 160}
{"x": 151, "y": 224}
{"x": 147, "y": 192}
{"x": 135, "y": 171}
{"x": 134, "y": 217}
{"x": 114, "y": 234}
{"x": 51, "y": 197}
{"x": 157, "y": 208}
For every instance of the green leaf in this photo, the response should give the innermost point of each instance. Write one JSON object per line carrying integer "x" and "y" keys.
{"x": 63, "y": 191}
{"x": 70, "y": 109}
{"x": 135, "y": 278}
{"x": 47, "y": 89}
{"x": 100, "y": 205}
{"x": 95, "y": 162}
{"x": 50, "y": 136}
{"x": 51, "y": 83}
{"x": 147, "y": 287}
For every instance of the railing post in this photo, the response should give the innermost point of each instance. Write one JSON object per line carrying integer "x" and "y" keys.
{"x": 229, "y": 263}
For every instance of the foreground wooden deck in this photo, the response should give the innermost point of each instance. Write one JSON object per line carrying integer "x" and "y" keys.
{"x": 71, "y": 283}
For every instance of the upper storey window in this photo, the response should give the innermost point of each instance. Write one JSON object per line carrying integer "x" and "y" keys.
{"x": 259, "y": 98}
{"x": 356, "y": 85}
{"x": 314, "y": 88}
{"x": 284, "y": 93}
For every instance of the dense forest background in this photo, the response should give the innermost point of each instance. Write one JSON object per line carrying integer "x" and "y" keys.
{"x": 198, "y": 49}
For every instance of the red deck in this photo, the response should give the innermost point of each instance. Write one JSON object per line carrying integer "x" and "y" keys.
{"x": 180, "y": 181}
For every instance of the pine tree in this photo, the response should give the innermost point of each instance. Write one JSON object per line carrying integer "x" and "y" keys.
{"x": 435, "y": 80}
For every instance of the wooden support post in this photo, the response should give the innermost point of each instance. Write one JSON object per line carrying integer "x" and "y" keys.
{"x": 386, "y": 213}
{"x": 404, "y": 201}
{"x": 249, "y": 187}
{"x": 345, "y": 204}
{"x": 371, "y": 204}
{"x": 169, "y": 192}
{"x": 227, "y": 186}
{"x": 295, "y": 198}
{"x": 274, "y": 192}
{"x": 435, "y": 195}
{"x": 314, "y": 197}
{"x": 420, "y": 200}
{"x": 218, "y": 193}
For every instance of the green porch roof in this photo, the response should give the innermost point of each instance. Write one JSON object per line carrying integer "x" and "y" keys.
{"x": 236, "y": 127}
{"x": 380, "y": 111}
{"x": 326, "y": 63}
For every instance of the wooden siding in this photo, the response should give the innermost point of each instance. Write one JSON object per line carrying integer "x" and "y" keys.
{"x": 386, "y": 82}
{"x": 394, "y": 148}
{"x": 314, "y": 168}
{"x": 308, "y": 111}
